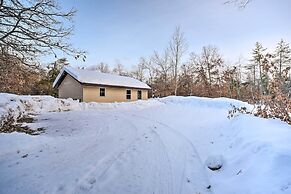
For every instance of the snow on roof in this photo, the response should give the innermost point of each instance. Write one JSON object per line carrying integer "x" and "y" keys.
{"x": 95, "y": 77}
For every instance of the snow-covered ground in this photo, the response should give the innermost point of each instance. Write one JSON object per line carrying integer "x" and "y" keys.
{"x": 145, "y": 147}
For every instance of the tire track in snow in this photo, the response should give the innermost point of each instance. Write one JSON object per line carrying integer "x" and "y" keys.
{"x": 93, "y": 178}
{"x": 157, "y": 169}
{"x": 148, "y": 146}
{"x": 189, "y": 155}
{"x": 93, "y": 175}
{"x": 166, "y": 161}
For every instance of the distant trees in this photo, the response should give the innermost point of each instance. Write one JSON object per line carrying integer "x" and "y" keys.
{"x": 207, "y": 74}
{"x": 264, "y": 80}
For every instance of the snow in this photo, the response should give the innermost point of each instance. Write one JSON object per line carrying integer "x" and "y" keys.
{"x": 157, "y": 146}
{"x": 95, "y": 77}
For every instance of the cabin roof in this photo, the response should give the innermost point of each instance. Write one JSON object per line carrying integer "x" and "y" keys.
{"x": 96, "y": 78}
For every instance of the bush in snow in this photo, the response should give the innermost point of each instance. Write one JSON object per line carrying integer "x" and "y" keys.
{"x": 235, "y": 110}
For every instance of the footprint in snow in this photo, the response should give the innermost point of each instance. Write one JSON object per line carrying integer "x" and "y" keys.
{"x": 87, "y": 184}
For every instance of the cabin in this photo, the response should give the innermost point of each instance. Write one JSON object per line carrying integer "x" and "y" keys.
{"x": 92, "y": 86}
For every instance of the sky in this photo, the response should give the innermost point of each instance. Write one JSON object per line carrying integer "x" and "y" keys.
{"x": 122, "y": 31}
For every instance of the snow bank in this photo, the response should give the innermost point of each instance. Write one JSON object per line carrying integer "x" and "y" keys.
{"x": 204, "y": 102}
{"x": 15, "y": 106}
{"x": 258, "y": 156}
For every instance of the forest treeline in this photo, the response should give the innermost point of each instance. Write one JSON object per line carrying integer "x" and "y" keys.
{"x": 204, "y": 73}
{"x": 263, "y": 79}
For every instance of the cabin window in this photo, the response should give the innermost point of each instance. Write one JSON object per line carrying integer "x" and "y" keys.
{"x": 139, "y": 94}
{"x": 102, "y": 91}
{"x": 128, "y": 94}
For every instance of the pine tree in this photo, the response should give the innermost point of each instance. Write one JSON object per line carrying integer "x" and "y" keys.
{"x": 283, "y": 56}
{"x": 257, "y": 61}
{"x": 45, "y": 86}
{"x": 186, "y": 80}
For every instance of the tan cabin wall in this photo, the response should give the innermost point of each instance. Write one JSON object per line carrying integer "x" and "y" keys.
{"x": 112, "y": 94}
{"x": 70, "y": 88}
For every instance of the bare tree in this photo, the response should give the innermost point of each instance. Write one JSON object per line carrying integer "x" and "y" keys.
{"x": 163, "y": 67}
{"x": 149, "y": 67}
{"x": 30, "y": 28}
{"x": 211, "y": 61}
{"x": 139, "y": 71}
{"x": 178, "y": 47}
{"x": 238, "y": 76}
{"x": 163, "y": 63}
{"x": 103, "y": 68}
{"x": 119, "y": 69}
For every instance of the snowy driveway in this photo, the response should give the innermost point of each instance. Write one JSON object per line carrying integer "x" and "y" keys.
{"x": 103, "y": 152}
{"x": 156, "y": 146}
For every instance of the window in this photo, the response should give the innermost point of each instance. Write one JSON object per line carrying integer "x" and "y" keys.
{"x": 102, "y": 91}
{"x": 139, "y": 94}
{"x": 128, "y": 94}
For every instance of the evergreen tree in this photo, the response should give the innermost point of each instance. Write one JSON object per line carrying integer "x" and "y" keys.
{"x": 45, "y": 86}
{"x": 256, "y": 66}
{"x": 283, "y": 56}
{"x": 186, "y": 80}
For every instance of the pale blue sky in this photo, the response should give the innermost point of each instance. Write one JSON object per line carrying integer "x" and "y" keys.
{"x": 125, "y": 30}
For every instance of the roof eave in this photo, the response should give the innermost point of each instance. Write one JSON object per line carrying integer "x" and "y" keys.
{"x": 117, "y": 86}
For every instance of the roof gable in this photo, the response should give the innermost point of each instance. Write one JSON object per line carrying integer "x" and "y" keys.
{"x": 93, "y": 77}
